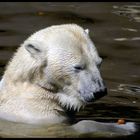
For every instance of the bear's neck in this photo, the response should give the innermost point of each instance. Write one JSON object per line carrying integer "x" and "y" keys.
{"x": 40, "y": 101}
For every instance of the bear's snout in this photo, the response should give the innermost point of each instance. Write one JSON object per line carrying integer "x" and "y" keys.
{"x": 99, "y": 94}
{"x": 95, "y": 96}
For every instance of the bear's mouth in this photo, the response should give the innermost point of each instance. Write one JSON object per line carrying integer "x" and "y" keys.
{"x": 91, "y": 97}
{"x": 100, "y": 94}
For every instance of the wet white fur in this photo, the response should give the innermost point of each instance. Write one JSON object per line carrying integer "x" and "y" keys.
{"x": 21, "y": 100}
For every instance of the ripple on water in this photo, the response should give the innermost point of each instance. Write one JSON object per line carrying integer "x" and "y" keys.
{"x": 130, "y": 11}
{"x": 129, "y": 88}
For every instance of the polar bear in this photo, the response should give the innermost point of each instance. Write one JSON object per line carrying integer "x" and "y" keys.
{"x": 54, "y": 71}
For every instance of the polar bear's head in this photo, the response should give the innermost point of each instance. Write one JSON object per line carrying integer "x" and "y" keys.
{"x": 71, "y": 64}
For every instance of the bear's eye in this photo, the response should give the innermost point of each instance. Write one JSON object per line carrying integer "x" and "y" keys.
{"x": 78, "y": 68}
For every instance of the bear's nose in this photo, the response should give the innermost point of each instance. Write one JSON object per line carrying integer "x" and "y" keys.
{"x": 100, "y": 94}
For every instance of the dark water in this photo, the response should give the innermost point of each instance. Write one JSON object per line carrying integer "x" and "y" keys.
{"x": 115, "y": 30}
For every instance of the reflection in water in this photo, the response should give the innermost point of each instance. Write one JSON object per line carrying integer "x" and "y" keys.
{"x": 131, "y": 11}
{"x": 129, "y": 88}
{"x": 129, "y": 29}
{"x": 127, "y": 39}
{"x": 114, "y": 27}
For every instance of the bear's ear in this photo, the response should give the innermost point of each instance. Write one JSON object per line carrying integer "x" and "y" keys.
{"x": 33, "y": 49}
{"x": 87, "y": 31}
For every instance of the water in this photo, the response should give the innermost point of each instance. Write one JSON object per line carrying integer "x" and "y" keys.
{"x": 115, "y": 30}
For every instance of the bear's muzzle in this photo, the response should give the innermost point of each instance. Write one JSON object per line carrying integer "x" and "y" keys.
{"x": 100, "y": 94}
{"x": 95, "y": 96}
